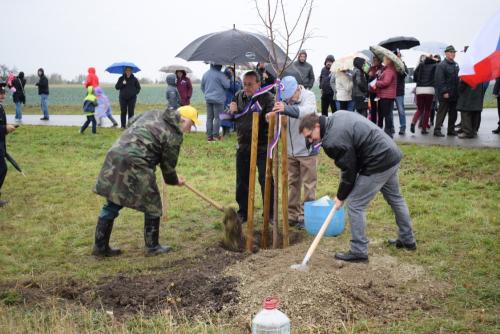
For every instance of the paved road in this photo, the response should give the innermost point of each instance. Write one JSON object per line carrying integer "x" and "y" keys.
{"x": 485, "y": 137}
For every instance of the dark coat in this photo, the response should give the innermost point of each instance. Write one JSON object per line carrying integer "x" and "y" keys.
{"x": 470, "y": 99}
{"x": 271, "y": 76}
{"x": 324, "y": 82}
{"x": 304, "y": 73}
{"x": 446, "y": 79}
{"x": 19, "y": 95}
{"x": 130, "y": 89}
{"x": 400, "y": 87}
{"x": 43, "y": 84}
{"x": 358, "y": 146}
{"x": 3, "y": 132}
{"x": 424, "y": 73}
{"x": 244, "y": 123}
{"x": 185, "y": 89}
{"x": 496, "y": 88}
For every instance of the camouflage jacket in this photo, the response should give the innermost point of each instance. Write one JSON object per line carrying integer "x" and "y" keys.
{"x": 127, "y": 177}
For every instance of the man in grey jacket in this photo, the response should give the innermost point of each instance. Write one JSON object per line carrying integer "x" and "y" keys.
{"x": 369, "y": 162}
{"x": 299, "y": 102}
{"x": 213, "y": 85}
{"x": 303, "y": 71}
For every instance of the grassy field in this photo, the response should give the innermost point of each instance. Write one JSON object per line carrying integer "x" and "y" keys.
{"x": 46, "y": 232}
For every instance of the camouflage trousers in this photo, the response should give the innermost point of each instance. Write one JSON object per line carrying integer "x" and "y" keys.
{"x": 111, "y": 210}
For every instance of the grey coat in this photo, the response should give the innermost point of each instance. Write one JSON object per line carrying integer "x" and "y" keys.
{"x": 358, "y": 146}
{"x": 304, "y": 74}
{"x": 214, "y": 84}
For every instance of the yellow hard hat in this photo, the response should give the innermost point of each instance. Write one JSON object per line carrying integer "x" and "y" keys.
{"x": 189, "y": 112}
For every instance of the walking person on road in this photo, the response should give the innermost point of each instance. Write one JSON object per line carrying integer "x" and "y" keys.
{"x": 129, "y": 88}
{"x": 43, "y": 92}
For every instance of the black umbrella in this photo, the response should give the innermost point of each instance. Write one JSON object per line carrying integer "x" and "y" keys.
{"x": 233, "y": 47}
{"x": 400, "y": 42}
{"x": 14, "y": 163}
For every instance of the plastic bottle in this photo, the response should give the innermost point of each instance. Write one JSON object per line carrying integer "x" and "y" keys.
{"x": 270, "y": 319}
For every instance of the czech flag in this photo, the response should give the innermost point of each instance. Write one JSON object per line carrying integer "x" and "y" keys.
{"x": 481, "y": 62}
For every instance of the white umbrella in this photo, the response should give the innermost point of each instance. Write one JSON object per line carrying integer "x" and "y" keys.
{"x": 173, "y": 68}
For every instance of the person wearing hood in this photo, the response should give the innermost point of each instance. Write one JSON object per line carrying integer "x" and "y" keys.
{"x": 92, "y": 79}
{"x": 5, "y": 129}
{"x": 302, "y": 161}
{"x": 172, "y": 94}
{"x": 129, "y": 87}
{"x": 103, "y": 107}
{"x": 184, "y": 87}
{"x": 43, "y": 92}
{"x": 360, "y": 86}
{"x": 385, "y": 87}
{"x": 213, "y": 85}
{"x": 89, "y": 105}
{"x": 19, "y": 96}
{"x": 424, "y": 78}
{"x": 304, "y": 73}
{"x": 327, "y": 96}
{"x": 369, "y": 162}
{"x": 152, "y": 139}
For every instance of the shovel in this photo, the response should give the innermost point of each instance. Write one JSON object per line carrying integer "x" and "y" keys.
{"x": 303, "y": 266}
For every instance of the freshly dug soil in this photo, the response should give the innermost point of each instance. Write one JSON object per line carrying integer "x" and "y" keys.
{"x": 331, "y": 293}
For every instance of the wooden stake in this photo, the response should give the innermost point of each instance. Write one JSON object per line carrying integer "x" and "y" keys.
{"x": 284, "y": 180}
{"x": 164, "y": 201}
{"x": 251, "y": 181}
{"x": 276, "y": 166}
{"x": 267, "y": 188}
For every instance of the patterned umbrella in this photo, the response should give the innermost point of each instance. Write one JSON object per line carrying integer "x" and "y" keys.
{"x": 380, "y": 52}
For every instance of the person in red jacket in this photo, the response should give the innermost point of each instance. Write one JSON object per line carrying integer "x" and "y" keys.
{"x": 385, "y": 87}
{"x": 92, "y": 79}
{"x": 184, "y": 87}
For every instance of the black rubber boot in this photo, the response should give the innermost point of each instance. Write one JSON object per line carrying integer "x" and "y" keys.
{"x": 102, "y": 235}
{"x": 151, "y": 235}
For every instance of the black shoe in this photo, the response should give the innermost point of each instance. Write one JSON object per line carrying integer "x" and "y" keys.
{"x": 412, "y": 128}
{"x": 402, "y": 132}
{"x": 438, "y": 133}
{"x": 102, "y": 235}
{"x": 497, "y": 131}
{"x": 399, "y": 244}
{"x": 44, "y": 119}
{"x": 452, "y": 133}
{"x": 425, "y": 132}
{"x": 3, "y": 203}
{"x": 463, "y": 135}
{"x": 151, "y": 235}
{"x": 351, "y": 257}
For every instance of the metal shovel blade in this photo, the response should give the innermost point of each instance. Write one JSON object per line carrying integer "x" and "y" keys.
{"x": 300, "y": 266}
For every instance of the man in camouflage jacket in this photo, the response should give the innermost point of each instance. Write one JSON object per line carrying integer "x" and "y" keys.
{"x": 127, "y": 178}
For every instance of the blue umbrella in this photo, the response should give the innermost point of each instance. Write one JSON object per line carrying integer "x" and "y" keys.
{"x": 119, "y": 68}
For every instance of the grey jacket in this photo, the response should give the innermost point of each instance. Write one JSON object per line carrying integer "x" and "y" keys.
{"x": 214, "y": 84}
{"x": 296, "y": 142}
{"x": 172, "y": 94}
{"x": 358, "y": 146}
{"x": 305, "y": 74}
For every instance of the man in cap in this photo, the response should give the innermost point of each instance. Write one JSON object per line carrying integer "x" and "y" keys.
{"x": 302, "y": 70}
{"x": 127, "y": 178}
{"x": 446, "y": 81}
{"x": 5, "y": 129}
{"x": 302, "y": 161}
{"x": 369, "y": 162}
{"x": 189, "y": 118}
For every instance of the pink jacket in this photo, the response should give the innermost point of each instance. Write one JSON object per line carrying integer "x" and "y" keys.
{"x": 92, "y": 79}
{"x": 387, "y": 83}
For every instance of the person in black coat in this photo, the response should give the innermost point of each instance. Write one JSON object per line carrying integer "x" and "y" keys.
{"x": 43, "y": 92}
{"x": 496, "y": 93}
{"x": 129, "y": 87}
{"x": 5, "y": 129}
{"x": 19, "y": 97}
{"x": 327, "y": 100}
{"x": 470, "y": 105}
{"x": 360, "y": 86}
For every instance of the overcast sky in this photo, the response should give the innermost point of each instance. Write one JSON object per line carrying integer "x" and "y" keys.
{"x": 66, "y": 37}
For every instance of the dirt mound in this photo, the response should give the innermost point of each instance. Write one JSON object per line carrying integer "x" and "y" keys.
{"x": 331, "y": 293}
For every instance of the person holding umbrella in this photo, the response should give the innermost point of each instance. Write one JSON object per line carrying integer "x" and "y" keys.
{"x": 129, "y": 87}
{"x": 5, "y": 129}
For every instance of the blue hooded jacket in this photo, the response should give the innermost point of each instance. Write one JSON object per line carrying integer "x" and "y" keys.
{"x": 214, "y": 84}
{"x": 172, "y": 94}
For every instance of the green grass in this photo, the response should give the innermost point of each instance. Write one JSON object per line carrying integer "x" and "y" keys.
{"x": 46, "y": 232}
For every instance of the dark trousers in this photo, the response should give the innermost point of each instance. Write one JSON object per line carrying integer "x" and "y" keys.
{"x": 242, "y": 179}
{"x": 90, "y": 119}
{"x": 470, "y": 122}
{"x": 498, "y": 108}
{"x": 127, "y": 107}
{"x": 327, "y": 101}
{"x": 386, "y": 107}
{"x": 3, "y": 170}
{"x": 450, "y": 108}
{"x": 373, "y": 108}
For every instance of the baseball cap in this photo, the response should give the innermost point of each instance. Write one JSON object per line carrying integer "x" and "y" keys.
{"x": 189, "y": 112}
{"x": 289, "y": 87}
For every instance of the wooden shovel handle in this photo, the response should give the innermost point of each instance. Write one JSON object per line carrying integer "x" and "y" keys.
{"x": 322, "y": 230}
{"x": 203, "y": 196}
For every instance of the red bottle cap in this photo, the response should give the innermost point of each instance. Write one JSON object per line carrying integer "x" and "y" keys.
{"x": 270, "y": 303}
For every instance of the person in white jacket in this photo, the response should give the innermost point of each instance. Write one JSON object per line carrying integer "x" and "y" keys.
{"x": 302, "y": 160}
{"x": 343, "y": 87}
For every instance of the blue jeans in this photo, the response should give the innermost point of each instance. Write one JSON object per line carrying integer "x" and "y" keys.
{"x": 213, "y": 119}
{"x": 345, "y": 105}
{"x": 400, "y": 104}
{"x": 111, "y": 210}
{"x": 44, "y": 105}
{"x": 19, "y": 110}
